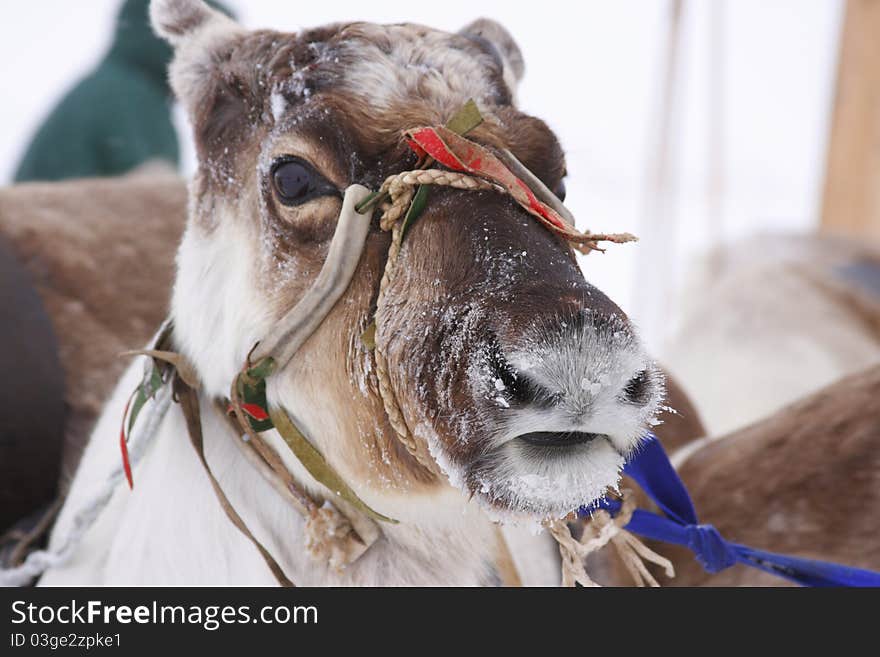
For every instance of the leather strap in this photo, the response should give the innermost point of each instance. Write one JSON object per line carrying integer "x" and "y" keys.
{"x": 317, "y": 466}
{"x": 188, "y": 399}
{"x": 344, "y": 253}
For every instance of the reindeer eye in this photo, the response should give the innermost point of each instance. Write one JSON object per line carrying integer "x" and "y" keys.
{"x": 560, "y": 190}
{"x": 296, "y": 182}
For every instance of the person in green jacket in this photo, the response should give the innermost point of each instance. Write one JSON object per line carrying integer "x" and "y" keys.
{"x": 115, "y": 119}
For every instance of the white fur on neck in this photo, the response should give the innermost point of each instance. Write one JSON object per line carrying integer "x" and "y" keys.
{"x": 217, "y": 314}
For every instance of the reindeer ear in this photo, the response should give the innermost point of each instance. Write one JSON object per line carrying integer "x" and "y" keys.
{"x": 199, "y": 36}
{"x": 485, "y": 29}
{"x": 177, "y": 20}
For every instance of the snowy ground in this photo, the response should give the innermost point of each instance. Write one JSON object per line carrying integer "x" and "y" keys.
{"x": 593, "y": 72}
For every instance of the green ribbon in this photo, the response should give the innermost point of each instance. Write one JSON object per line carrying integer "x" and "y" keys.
{"x": 251, "y": 386}
{"x": 317, "y": 466}
{"x": 465, "y": 119}
{"x": 147, "y": 389}
{"x": 462, "y": 122}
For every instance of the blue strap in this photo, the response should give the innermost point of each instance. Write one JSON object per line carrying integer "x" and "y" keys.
{"x": 650, "y": 468}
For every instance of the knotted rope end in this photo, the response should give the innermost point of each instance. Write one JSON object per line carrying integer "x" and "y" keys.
{"x": 601, "y": 530}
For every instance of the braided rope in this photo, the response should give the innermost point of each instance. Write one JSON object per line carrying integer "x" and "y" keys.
{"x": 604, "y": 529}
{"x": 401, "y": 189}
{"x": 386, "y": 391}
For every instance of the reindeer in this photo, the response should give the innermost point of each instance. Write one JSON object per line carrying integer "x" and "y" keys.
{"x": 524, "y": 387}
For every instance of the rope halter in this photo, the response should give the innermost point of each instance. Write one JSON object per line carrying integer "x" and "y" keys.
{"x": 597, "y": 534}
{"x": 402, "y": 197}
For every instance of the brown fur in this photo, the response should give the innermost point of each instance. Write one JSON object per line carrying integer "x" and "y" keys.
{"x": 499, "y": 42}
{"x": 101, "y": 256}
{"x": 187, "y": 17}
{"x": 234, "y": 110}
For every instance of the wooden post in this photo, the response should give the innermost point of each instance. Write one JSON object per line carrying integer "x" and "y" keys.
{"x": 851, "y": 203}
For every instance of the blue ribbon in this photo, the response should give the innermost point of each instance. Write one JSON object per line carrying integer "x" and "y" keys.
{"x": 651, "y": 469}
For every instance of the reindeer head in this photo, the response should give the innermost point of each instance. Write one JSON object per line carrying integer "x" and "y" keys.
{"x": 522, "y": 381}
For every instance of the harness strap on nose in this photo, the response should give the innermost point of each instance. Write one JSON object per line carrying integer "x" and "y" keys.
{"x": 401, "y": 189}
{"x": 314, "y": 462}
{"x": 461, "y": 154}
{"x": 346, "y": 247}
{"x": 536, "y": 185}
{"x": 274, "y": 351}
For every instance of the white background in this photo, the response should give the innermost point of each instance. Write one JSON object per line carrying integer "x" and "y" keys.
{"x": 594, "y": 73}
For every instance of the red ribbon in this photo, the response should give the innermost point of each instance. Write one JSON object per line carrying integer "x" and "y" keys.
{"x": 460, "y": 154}
{"x": 256, "y": 411}
{"x": 123, "y": 443}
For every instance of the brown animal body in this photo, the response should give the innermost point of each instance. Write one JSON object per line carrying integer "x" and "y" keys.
{"x": 100, "y": 253}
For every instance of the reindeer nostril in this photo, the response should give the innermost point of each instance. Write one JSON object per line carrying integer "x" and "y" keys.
{"x": 638, "y": 389}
